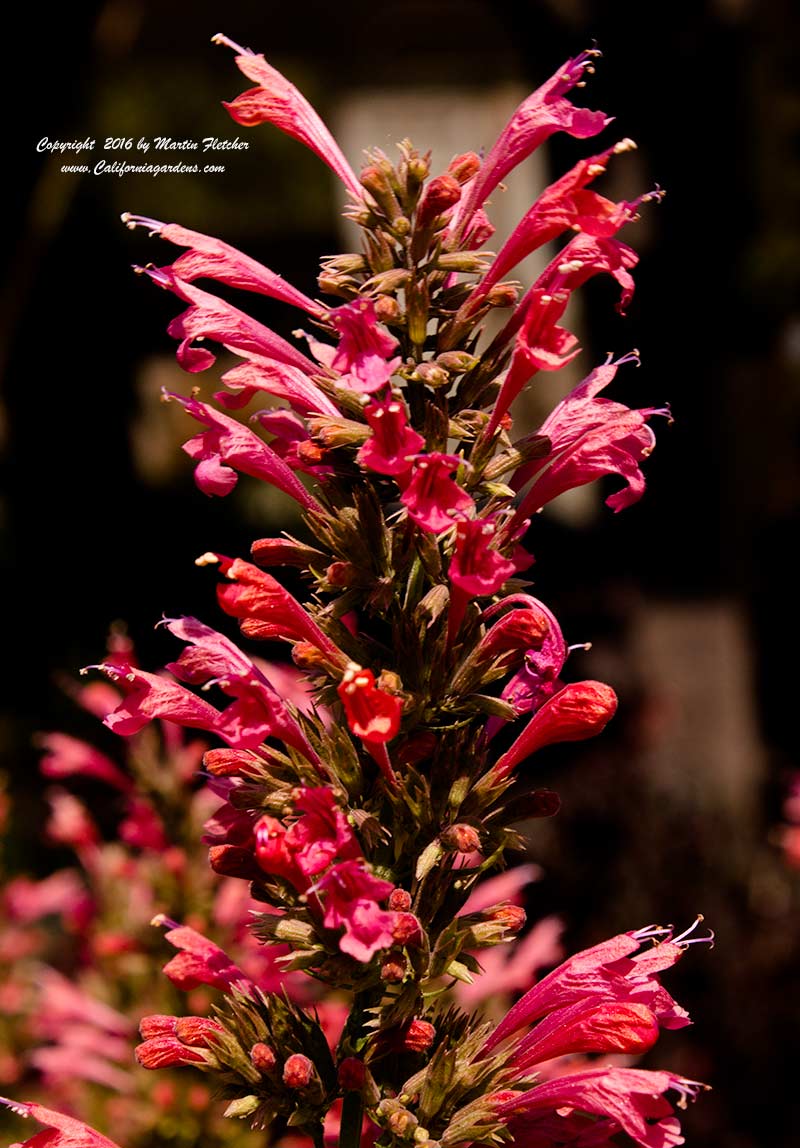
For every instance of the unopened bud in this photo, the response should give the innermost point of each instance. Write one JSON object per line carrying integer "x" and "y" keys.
{"x": 197, "y": 1031}
{"x": 511, "y": 917}
{"x": 464, "y": 167}
{"x": 157, "y": 1025}
{"x": 352, "y": 1074}
{"x": 432, "y": 375}
{"x": 233, "y": 861}
{"x": 393, "y": 968}
{"x": 417, "y": 312}
{"x": 306, "y": 656}
{"x": 462, "y": 838}
{"x": 387, "y": 309}
{"x": 502, "y": 295}
{"x": 340, "y": 574}
{"x": 223, "y": 762}
{"x": 298, "y": 1071}
{"x": 263, "y": 1057}
{"x": 419, "y": 1036}
{"x": 442, "y": 193}
{"x": 342, "y": 285}
{"x": 399, "y": 900}
{"x": 310, "y": 453}
{"x": 457, "y": 362}
{"x": 332, "y": 433}
{"x": 377, "y": 184}
{"x": 407, "y": 929}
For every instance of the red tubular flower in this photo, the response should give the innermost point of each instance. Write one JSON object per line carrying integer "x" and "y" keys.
{"x": 63, "y": 1131}
{"x": 632, "y": 1098}
{"x": 266, "y": 609}
{"x": 528, "y": 625}
{"x": 258, "y": 711}
{"x": 477, "y": 568}
{"x": 273, "y": 854}
{"x": 441, "y": 193}
{"x": 393, "y": 441}
{"x": 278, "y": 102}
{"x": 149, "y": 696}
{"x": 210, "y": 258}
{"x": 260, "y": 375}
{"x": 200, "y": 961}
{"x": 372, "y": 713}
{"x": 619, "y": 969}
{"x": 227, "y": 446}
{"x": 563, "y": 205}
{"x": 590, "y": 437}
{"x": 431, "y": 497}
{"x": 322, "y": 834}
{"x": 362, "y": 354}
{"x": 613, "y": 1026}
{"x": 171, "y": 1040}
{"x": 576, "y": 712}
{"x": 209, "y": 317}
{"x": 541, "y": 345}
{"x": 545, "y": 111}
{"x": 351, "y": 895}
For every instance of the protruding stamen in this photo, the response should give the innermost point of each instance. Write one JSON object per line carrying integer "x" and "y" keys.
{"x": 686, "y": 939}
{"x": 625, "y": 145}
{"x": 161, "y": 920}
{"x": 652, "y": 932}
{"x": 131, "y": 221}
{"x": 18, "y": 1106}
{"x": 579, "y": 646}
{"x": 207, "y": 559}
{"x": 225, "y": 42}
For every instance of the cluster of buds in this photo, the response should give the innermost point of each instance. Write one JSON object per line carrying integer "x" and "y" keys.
{"x": 364, "y": 822}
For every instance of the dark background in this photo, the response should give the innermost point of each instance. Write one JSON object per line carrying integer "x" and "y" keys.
{"x": 100, "y": 525}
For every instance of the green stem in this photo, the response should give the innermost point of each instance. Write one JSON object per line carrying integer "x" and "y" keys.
{"x": 352, "y": 1116}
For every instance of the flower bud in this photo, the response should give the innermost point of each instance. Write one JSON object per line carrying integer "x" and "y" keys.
{"x": 457, "y": 362}
{"x": 309, "y": 453}
{"x": 461, "y": 838}
{"x": 352, "y": 1074}
{"x": 378, "y": 185}
{"x": 464, "y": 167}
{"x": 197, "y": 1031}
{"x": 166, "y": 1051}
{"x": 157, "y": 1025}
{"x": 298, "y": 1071}
{"x": 340, "y": 574}
{"x": 399, "y": 900}
{"x": 511, "y": 917}
{"x": 418, "y": 1036}
{"x": 233, "y": 861}
{"x": 502, "y": 295}
{"x": 432, "y": 375}
{"x": 387, "y": 309}
{"x": 407, "y": 929}
{"x": 393, "y": 968}
{"x": 263, "y": 1057}
{"x": 224, "y": 762}
{"x": 442, "y": 193}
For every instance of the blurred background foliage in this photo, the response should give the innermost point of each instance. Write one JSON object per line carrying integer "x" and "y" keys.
{"x": 689, "y": 597}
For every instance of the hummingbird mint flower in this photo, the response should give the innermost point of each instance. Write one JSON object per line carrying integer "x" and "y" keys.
{"x": 357, "y": 821}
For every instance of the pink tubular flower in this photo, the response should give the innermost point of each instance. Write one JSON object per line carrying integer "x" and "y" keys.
{"x": 258, "y": 711}
{"x": 590, "y": 437}
{"x": 62, "y": 1131}
{"x": 393, "y": 442}
{"x": 432, "y": 497}
{"x": 209, "y": 258}
{"x": 199, "y": 961}
{"x": 632, "y": 1098}
{"x": 362, "y": 355}
{"x": 578, "y": 711}
{"x": 529, "y": 624}
{"x": 227, "y": 446}
{"x": 278, "y": 102}
{"x": 259, "y": 375}
{"x": 563, "y": 205}
{"x": 266, "y": 609}
{"x": 273, "y": 854}
{"x": 372, "y": 713}
{"x": 613, "y": 1026}
{"x": 540, "y": 345}
{"x": 351, "y": 895}
{"x": 149, "y": 696}
{"x": 67, "y": 756}
{"x": 322, "y": 834}
{"x": 477, "y": 568}
{"x": 209, "y": 317}
{"x": 545, "y": 111}
{"x": 618, "y": 969}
